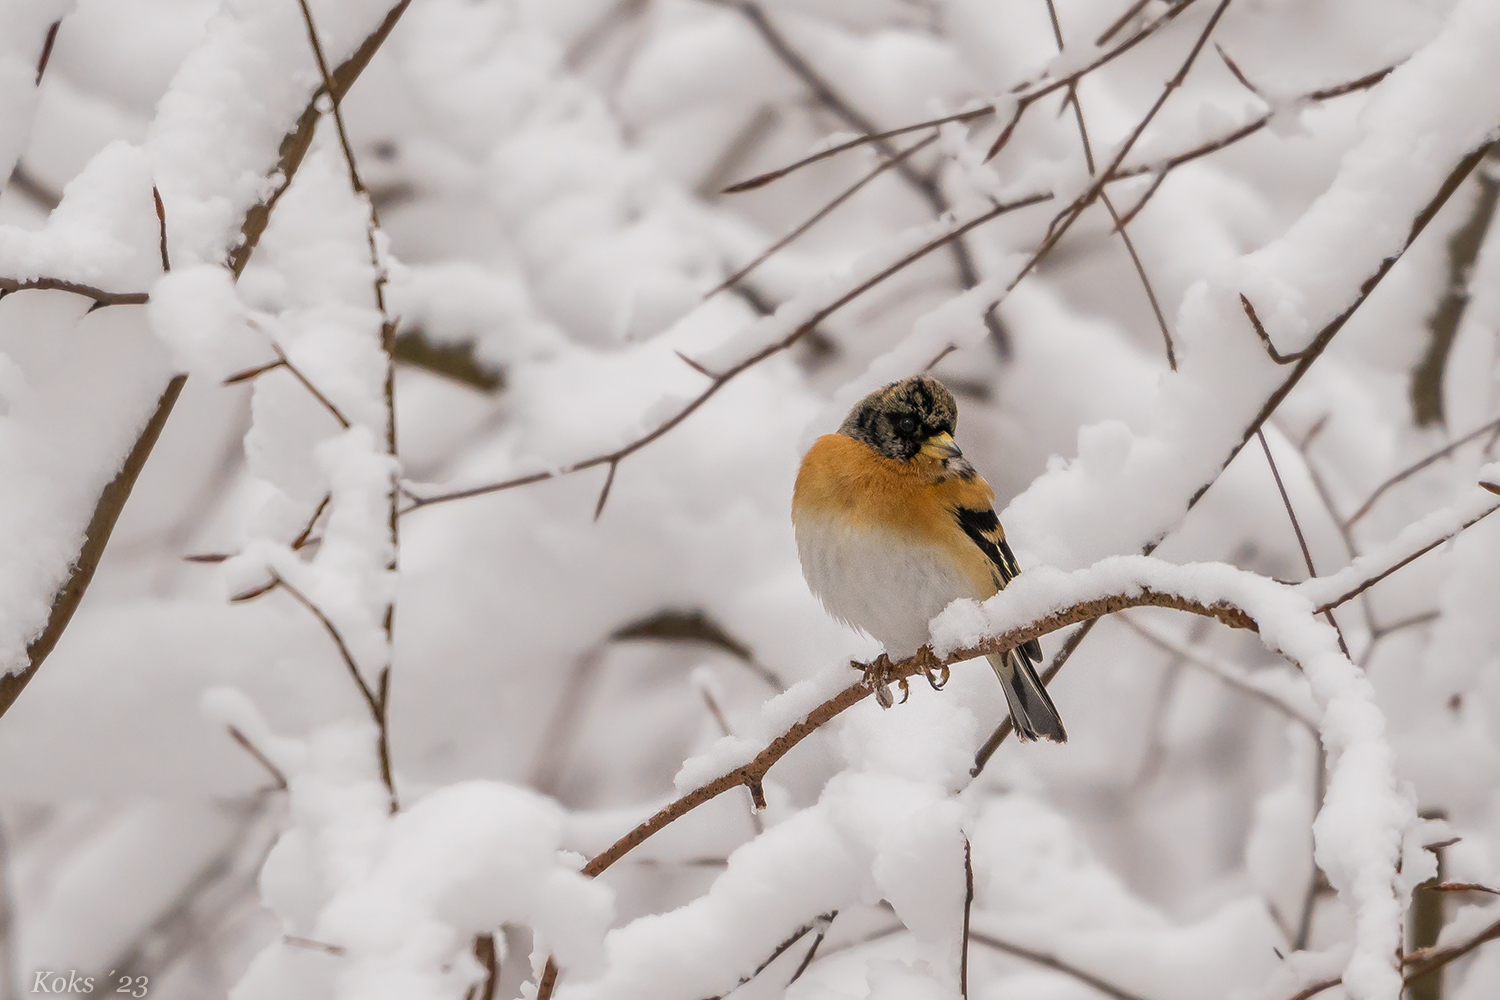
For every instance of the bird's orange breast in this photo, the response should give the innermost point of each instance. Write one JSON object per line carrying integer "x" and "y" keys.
{"x": 844, "y": 480}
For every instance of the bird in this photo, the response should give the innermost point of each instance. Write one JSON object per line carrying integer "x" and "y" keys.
{"x": 893, "y": 523}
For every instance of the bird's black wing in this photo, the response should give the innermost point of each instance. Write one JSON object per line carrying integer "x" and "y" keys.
{"x": 983, "y": 529}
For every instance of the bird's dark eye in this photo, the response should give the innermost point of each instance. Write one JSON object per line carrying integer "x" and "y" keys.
{"x": 907, "y": 425}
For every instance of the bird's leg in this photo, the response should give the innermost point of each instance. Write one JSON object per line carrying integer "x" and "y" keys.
{"x": 877, "y": 676}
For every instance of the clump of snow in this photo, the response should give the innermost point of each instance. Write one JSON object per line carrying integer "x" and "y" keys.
{"x": 196, "y": 312}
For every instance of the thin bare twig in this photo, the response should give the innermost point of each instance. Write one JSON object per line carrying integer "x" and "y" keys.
{"x": 1325, "y": 496}
{"x": 1463, "y": 887}
{"x": 819, "y": 216}
{"x": 1366, "y": 584}
{"x": 1109, "y": 205}
{"x": 1056, "y": 965}
{"x": 295, "y": 144}
{"x": 722, "y": 379}
{"x": 250, "y": 373}
{"x": 46, "y": 56}
{"x": 487, "y": 957}
{"x": 1235, "y": 70}
{"x": 244, "y": 741}
{"x": 924, "y": 185}
{"x": 375, "y": 699}
{"x": 1069, "y": 215}
{"x": 1324, "y": 337}
{"x": 1006, "y": 726}
{"x": 96, "y": 536}
{"x": 388, "y": 345}
{"x": 1161, "y": 168}
{"x": 1416, "y": 467}
{"x": 812, "y": 952}
{"x": 963, "y": 953}
{"x": 722, "y": 722}
{"x": 311, "y": 945}
{"x": 1188, "y": 654}
{"x": 1291, "y": 513}
{"x": 161, "y": 225}
{"x": 99, "y": 295}
{"x": 1030, "y": 92}
{"x": 821, "y": 921}
{"x": 1420, "y": 963}
{"x": 1124, "y": 19}
{"x": 282, "y": 361}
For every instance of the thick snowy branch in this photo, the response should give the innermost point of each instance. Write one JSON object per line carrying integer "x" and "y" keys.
{"x": 1360, "y": 827}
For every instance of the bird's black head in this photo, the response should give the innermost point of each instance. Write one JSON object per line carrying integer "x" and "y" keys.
{"x": 898, "y": 420}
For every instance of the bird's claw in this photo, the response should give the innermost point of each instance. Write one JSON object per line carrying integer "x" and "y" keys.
{"x": 877, "y": 676}
{"x": 937, "y": 676}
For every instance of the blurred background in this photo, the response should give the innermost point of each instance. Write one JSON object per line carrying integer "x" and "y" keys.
{"x": 549, "y": 177}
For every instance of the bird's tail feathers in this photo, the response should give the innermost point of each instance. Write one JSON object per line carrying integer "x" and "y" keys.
{"x": 1031, "y": 708}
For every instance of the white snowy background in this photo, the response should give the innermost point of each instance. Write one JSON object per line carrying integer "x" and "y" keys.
{"x": 522, "y": 254}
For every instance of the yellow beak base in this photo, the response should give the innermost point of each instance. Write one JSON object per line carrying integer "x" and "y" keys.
{"x": 940, "y": 446}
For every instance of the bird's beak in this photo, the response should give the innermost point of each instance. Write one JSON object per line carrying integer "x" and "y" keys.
{"x": 941, "y": 446}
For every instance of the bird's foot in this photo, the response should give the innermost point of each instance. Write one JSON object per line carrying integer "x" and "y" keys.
{"x": 935, "y": 670}
{"x": 877, "y": 676}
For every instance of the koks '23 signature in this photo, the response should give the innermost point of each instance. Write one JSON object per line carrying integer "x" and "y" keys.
{"x": 72, "y": 982}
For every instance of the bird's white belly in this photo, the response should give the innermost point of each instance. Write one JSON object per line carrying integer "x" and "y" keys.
{"x": 877, "y": 581}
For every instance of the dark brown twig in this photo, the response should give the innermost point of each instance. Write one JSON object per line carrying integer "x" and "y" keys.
{"x": 1161, "y": 168}
{"x": 376, "y": 702}
{"x": 295, "y": 143}
{"x": 1030, "y": 92}
{"x": 485, "y": 954}
{"x": 250, "y": 373}
{"x": 821, "y": 921}
{"x": 1120, "y": 22}
{"x": 963, "y": 948}
{"x": 1420, "y": 963}
{"x": 1417, "y": 467}
{"x": 1109, "y": 205}
{"x": 96, "y": 536}
{"x": 41, "y": 63}
{"x": 1056, "y": 965}
{"x": 1366, "y": 584}
{"x": 1026, "y": 95}
{"x": 819, "y": 216}
{"x": 1265, "y": 338}
{"x": 1069, "y": 215}
{"x": 1006, "y": 726}
{"x": 311, "y": 945}
{"x": 924, "y": 185}
{"x": 722, "y": 721}
{"x": 306, "y": 532}
{"x": 812, "y": 952}
{"x": 161, "y": 225}
{"x": 1291, "y": 513}
{"x": 1462, "y": 887}
{"x": 99, "y": 295}
{"x": 283, "y": 362}
{"x": 1235, "y": 70}
{"x": 1324, "y": 337}
{"x": 244, "y": 741}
